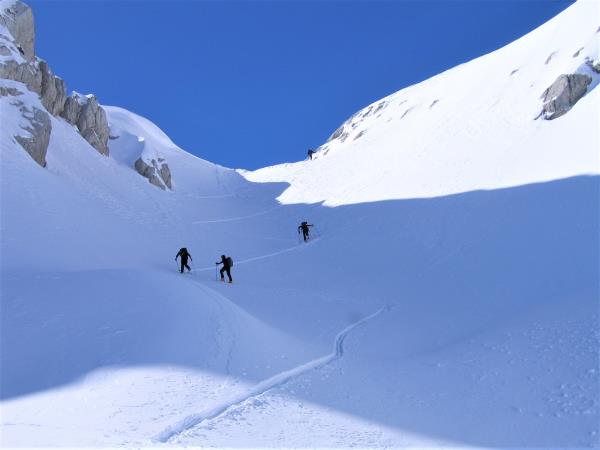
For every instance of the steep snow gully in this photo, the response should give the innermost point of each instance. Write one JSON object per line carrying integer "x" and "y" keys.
{"x": 268, "y": 384}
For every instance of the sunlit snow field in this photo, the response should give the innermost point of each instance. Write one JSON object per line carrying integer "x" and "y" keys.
{"x": 448, "y": 295}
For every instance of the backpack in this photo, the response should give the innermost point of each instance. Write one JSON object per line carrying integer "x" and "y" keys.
{"x": 230, "y": 261}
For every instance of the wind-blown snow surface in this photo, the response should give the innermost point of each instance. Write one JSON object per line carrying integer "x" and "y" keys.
{"x": 458, "y": 315}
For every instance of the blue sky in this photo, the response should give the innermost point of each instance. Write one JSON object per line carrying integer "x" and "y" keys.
{"x": 249, "y": 84}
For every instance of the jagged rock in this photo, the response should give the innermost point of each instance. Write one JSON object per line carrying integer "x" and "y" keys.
{"x": 9, "y": 91}
{"x": 336, "y": 134}
{"x": 71, "y": 109}
{"x": 18, "y": 19}
{"x": 90, "y": 119}
{"x": 26, "y": 68}
{"x": 563, "y": 94}
{"x": 341, "y": 133}
{"x": 40, "y": 127}
{"x": 53, "y": 93}
{"x": 38, "y": 78}
{"x": 149, "y": 172}
{"x": 593, "y": 64}
{"x": 27, "y": 73}
{"x": 157, "y": 175}
{"x": 165, "y": 174}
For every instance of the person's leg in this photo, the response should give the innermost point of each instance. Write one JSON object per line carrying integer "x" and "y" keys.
{"x": 182, "y": 264}
{"x": 229, "y": 274}
{"x": 188, "y": 267}
{"x": 221, "y": 271}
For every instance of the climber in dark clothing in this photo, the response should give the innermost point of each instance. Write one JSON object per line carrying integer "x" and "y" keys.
{"x": 184, "y": 255}
{"x": 304, "y": 227}
{"x": 227, "y": 264}
{"x": 310, "y": 153}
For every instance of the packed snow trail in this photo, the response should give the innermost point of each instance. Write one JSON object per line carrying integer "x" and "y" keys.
{"x": 258, "y": 258}
{"x": 268, "y": 384}
{"x": 233, "y": 219}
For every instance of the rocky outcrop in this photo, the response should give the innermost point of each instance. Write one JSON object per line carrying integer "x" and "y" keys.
{"x": 37, "y": 138}
{"x": 90, "y": 119}
{"x": 27, "y": 73}
{"x": 6, "y": 91}
{"x": 38, "y": 130}
{"x": 22, "y": 65}
{"x": 19, "y": 63}
{"x": 563, "y": 94}
{"x": 53, "y": 93}
{"x": 158, "y": 173}
{"x": 18, "y": 19}
{"x": 341, "y": 133}
{"x": 37, "y": 144}
{"x": 165, "y": 173}
{"x": 593, "y": 64}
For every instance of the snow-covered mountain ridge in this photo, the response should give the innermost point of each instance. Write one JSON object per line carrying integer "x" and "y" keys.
{"x": 448, "y": 292}
{"x": 471, "y": 127}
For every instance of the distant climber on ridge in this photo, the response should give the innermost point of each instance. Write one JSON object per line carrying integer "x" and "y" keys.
{"x": 304, "y": 227}
{"x": 183, "y": 254}
{"x": 311, "y": 152}
{"x": 227, "y": 265}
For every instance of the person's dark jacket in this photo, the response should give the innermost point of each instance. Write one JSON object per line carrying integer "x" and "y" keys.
{"x": 225, "y": 262}
{"x": 304, "y": 227}
{"x": 184, "y": 254}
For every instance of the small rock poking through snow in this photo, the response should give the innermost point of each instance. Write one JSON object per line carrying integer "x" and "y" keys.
{"x": 563, "y": 94}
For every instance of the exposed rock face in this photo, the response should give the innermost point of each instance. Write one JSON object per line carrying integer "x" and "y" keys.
{"x": 18, "y": 19}
{"x": 53, "y": 90}
{"x": 593, "y": 64}
{"x": 37, "y": 144}
{"x": 158, "y": 173}
{"x": 165, "y": 174}
{"x": 340, "y": 134}
{"x": 40, "y": 127}
{"x": 38, "y": 78}
{"x": 90, "y": 119}
{"x": 20, "y": 64}
{"x": 9, "y": 91}
{"x": 27, "y": 73}
{"x": 563, "y": 94}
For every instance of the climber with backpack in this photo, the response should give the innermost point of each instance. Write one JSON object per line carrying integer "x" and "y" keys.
{"x": 304, "y": 227}
{"x": 184, "y": 255}
{"x": 227, "y": 265}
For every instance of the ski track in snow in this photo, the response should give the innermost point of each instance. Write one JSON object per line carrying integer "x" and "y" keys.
{"x": 233, "y": 219}
{"x": 268, "y": 255}
{"x": 275, "y": 381}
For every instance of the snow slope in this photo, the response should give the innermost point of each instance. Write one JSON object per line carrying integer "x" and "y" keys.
{"x": 468, "y": 128}
{"x": 453, "y": 268}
